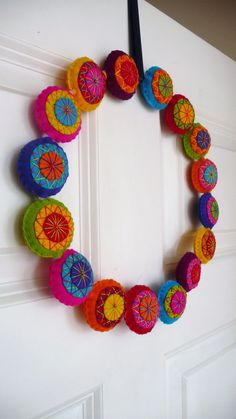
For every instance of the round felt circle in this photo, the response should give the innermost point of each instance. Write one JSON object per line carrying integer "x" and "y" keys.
{"x": 42, "y": 167}
{"x": 157, "y": 88}
{"x": 142, "y": 309}
{"x": 105, "y": 305}
{"x": 57, "y": 114}
{"x": 122, "y": 74}
{"x": 71, "y": 278}
{"x": 87, "y": 82}
{"x": 208, "y": 210}
{"x": 204, "y": 244}
{"x": 197, "y": 142}
{"x": 204, "y": 175}
{"x": 48, "y": 227}
{"x": 172, "y": 298}
{"x": 188, "y": 271}
{"x": 179, "y": 114}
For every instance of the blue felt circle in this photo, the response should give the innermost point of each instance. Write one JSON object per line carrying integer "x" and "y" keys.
{"x": 29, "y": 172}
{"x": 146, "y": 89}
{"x": 202, "y": 209}
{"x": 161, "y": 299}
{"x": 65, "y": 111}
{"x": 77, "y": 275}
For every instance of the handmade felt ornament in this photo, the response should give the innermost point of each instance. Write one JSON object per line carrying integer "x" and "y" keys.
{"x": 157, "y": 88}
{"x": 179, "y": 114}
{"x": 48, "y": 228}
{"x": 122, "y": 74}
{"x": 204, "y": 244}
{"x": 204, "y": 175}
{"x": 57, "y": 114}
{"x": 188, "y": 271}
{"x": 197, "y": 142}
{"x": 105, "y": 305}
{"x": 142, "y": 309}
{"x": 208, "y": 210}
{"x": 172, "y": 299}
{"x": 71, "y": 278}
{"x": 87, "y": 82}
{"x": 42, "y": 167}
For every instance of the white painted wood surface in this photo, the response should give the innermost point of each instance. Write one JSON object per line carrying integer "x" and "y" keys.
{"x": 131, "y": 204}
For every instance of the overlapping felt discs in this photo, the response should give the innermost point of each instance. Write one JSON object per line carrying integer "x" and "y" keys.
{"x": 204, "y": 175}
{"x": 197, "y": 142}
{"x": 204, "y": 244}
{"x": 188, "y": 271}
{"x": 172, "y": 298}
{"x": 179, "y": 114}
{"x": 122, "y": 74}
{"x": 71, "y": 278}
{"x": 57, "y": 114}
{"x": 208, "y": 210}
{"x": 105, "y": 305}
{"x": 48, "y": 227}
{"x": 142, "y": 309}
{"x": 157, "y": 88}
{"x": 42, "y": 167}
{"x": 87, "y": 82}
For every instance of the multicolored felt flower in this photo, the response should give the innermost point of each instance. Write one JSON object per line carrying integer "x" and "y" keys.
{"x": 42, "y": 167}
{"x": 188, "y": 271}
{"x": 71, "y": 278}
{"x": 122, "y": 74}
{"x": 204, "y": 175}
{"x": 142, "y": 309}
{"x": 87, "y": 82}
{"x": 57, "y": 114}
{"x": 48, "y": 228}
{"x": 157, "y": 88}
{"x": 105, "y": 305}
{"x": 179, "y": 114}
{"x": 208, "y": 210}
{"x": 197, "y": 142}
{"x": 204, "y": 244}
{"x": 172, "y": 298}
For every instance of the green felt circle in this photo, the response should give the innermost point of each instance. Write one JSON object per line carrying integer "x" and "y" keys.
{"x": 187, "y": 147}
{"x": 29, "y": 232}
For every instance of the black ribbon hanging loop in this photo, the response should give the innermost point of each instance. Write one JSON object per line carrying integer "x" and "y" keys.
{"x": 135, "y": 36}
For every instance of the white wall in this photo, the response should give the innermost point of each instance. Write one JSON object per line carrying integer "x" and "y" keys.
{"x": 130, "y": 199}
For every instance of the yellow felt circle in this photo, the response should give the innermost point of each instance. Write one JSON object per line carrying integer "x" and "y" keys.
{"x": 114, "y": 307}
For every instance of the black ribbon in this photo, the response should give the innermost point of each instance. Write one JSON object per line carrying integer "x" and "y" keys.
{"x": 135, "y": 36}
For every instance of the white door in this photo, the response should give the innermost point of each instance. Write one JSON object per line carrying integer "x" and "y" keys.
{"x": 131, "y": 203}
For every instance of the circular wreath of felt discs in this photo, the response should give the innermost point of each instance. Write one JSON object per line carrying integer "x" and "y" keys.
{"x": 48, "y": 227}
{"x": 71, "y": 278}
{"x": 105, "y": 305}
{"x": 172, "y": 299}
{"x": 142, "y": 309}
{"x": 208, "y": 210}
{"x": 197, "y": 142}
{"x": 42, "y": 167}
{"x": 204, "y": 244}
{"x": 179, "y": 114}
{"x": 122, "y": 74}
{"x": 57, "y": 114}
{"x": 204, "y": 175}
{"x": 87, "y": 82}
{"x": 188, "y": 271}
{"x": 157, "y": 88}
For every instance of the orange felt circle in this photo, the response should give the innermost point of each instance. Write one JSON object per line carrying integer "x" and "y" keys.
{"x": 90, "y": 304}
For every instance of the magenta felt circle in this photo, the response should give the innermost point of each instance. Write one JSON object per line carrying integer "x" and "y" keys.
{"x": 57, "y": 114}
{"x": 178, "y": 302}
{"x": 71, "y": 278}
{"x": 188, "y": 271}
